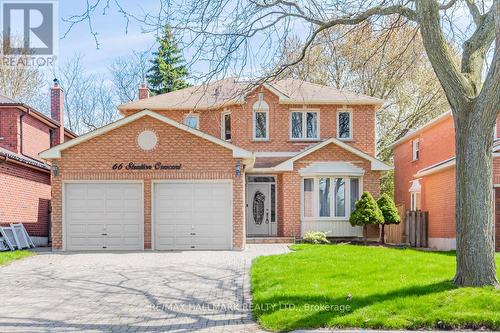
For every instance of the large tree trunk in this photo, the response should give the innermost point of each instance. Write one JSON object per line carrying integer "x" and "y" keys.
{"x": 474, "y": 200}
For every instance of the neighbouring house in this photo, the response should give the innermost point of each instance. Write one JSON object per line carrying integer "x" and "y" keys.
{"x": 24, "y": 177}
{"x": 217, "y": 166}
{"x": 424, "y": 178}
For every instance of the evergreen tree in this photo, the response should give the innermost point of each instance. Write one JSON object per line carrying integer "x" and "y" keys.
{"x": 366, "y": 212}
{"x": 390, "y": 213}
{"x": 168, "y": 72}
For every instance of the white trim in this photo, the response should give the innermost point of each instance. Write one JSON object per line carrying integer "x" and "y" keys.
{"x": 55, "y": 152}
{"x": 273, "y": 232}
{"x": 275, "y": 153}
{"x": 345, "y": 110}
{"x": 415, "y": 149}
{"x": 347, "y": 197}
{"x": 376, "y": 164}
{"x": 435, "y": 168}
{"x": 411, "y": 134}
{"x": 254, "y": 112}
{"x": 118, "y": 181}
{"x": 223, "y": 115}
{"x": 189, "y": 181}
{"x": 192, "y": 115}
{"x": 333, "y": 168}
{"x": 304, "y": 113}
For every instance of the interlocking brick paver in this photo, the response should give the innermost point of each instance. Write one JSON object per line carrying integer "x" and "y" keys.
{"x": 202, "y": 291}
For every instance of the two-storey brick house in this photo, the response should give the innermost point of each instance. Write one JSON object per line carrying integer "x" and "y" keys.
{"x": 24, "y": 177}
{"x": 207, "y": 167}
{"x": 424, "y": 177}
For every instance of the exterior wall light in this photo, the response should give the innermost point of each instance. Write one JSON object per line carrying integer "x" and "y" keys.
{"x": 238, "y": 169}
{"x": 55, "y": 169}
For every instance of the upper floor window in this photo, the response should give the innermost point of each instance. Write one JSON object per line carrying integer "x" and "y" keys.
{"x": 260, "y": 120}
{"x": 304, "y": 125}
{"x": 192, "y": 120}
{"x": 344, "y": 124}
{"x": 415, "y": 146}
{"x": 226, "y": 126}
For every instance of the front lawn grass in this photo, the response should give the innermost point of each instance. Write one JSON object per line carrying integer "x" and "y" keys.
{"x": 367, "y": 287}
{"x": 8, "y": 256}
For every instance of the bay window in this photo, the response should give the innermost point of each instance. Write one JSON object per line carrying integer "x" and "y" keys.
{"x": 304, "y": 125}
{"x": 324, "y": 197}
{"x": 330, "y": 197}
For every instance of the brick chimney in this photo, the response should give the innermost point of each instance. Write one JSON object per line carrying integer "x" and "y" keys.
{"x": 57, "y": 111}
{"x": 143, "y": 91}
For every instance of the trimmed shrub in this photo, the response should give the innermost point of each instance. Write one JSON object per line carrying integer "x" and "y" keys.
{"x": 367, "y": 212}
{"x": 389, "y": 212}
{"x": 315, "y": 237}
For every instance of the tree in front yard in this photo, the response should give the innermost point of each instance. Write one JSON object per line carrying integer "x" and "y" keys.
{"x": 389, "y": 212}
{"x": 366, "y": 213}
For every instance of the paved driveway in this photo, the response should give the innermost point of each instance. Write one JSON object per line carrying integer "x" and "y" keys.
{"x": 130, "y": 292}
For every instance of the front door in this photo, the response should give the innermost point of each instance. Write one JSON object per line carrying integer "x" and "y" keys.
{"x": 258, "y": 209}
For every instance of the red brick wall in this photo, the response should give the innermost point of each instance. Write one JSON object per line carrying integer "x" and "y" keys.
{"x": 279, "y": 124}
{"x": 291, "y": 184}
{"x": 9, "y": 129}
{"x": 25, "y": 197}
{"x": 35, "y": 136}
{"x": 200, "y": 159}
{"x": 438, "y": 198}
{"x": 437, "y": 143}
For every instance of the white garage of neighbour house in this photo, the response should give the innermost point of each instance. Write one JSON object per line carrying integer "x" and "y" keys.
{"x": 118, "y": 193}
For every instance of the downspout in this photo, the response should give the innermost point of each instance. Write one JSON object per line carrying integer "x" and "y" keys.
{"x": 21, "y": 132}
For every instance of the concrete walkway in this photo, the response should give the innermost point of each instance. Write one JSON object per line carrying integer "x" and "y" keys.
{"x": 202, "y": 291}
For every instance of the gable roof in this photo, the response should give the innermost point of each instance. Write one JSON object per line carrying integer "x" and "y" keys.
{"x": 376, "y": 164}
{"x": 9, "y": 102}
{"x": 55, "y": 152}
{"x": 231, "y": 91}
{"x": 422, "y": 128}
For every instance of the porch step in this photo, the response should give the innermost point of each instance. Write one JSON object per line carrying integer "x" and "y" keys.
{"x": 270, "y": 240}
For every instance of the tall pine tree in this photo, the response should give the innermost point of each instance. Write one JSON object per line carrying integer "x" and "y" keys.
{"x": 168, "y": 72}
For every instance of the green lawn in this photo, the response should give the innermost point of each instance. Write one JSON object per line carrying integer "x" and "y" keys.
{"x": 389, "y": 288}
{"x": 6, "y": 257}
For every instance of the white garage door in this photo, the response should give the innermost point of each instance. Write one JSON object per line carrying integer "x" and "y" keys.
{"x": 192, "y": 215}
{"x": 104, "y": 216}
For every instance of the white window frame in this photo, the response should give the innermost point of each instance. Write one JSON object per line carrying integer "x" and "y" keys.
{"x": 351, "y": 135}
{"x": 304, "y": 124}
{"x": 266, "y": 138}
{"x": 415, "y": 149}
{"x": 495, "y": 132}
{"x": 223, "y": 126}
{"x": 316, "y": 217}
{"x": 192, "y": 115}
{"x": 414, "y": 196}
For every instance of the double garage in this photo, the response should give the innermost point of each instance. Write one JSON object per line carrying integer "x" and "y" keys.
{"x": 185, "y": 215}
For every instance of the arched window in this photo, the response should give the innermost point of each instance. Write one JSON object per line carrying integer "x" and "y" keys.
{"x": 260, "y": 120}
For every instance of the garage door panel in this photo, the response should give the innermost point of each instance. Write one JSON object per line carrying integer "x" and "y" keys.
{"x": 104, "y": 216}
{"x": 86, "y": 243}
{"x": 203, "y": 209}
{"x": 174, "y": 217}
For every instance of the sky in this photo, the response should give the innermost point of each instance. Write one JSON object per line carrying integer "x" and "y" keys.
{"x": 115, "y": 40}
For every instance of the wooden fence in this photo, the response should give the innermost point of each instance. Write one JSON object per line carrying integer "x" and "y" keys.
{"x": 395, "y": 233}
{"x": 416, "y": 228}
{"x": 411, "y": 231}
